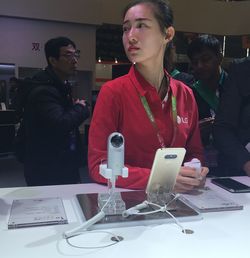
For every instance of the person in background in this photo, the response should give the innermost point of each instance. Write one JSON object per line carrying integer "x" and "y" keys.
{"x": 13, "y": 84}
{"x": 232, "y": 122}
{"x": 51, "y": 120}
{"x": 170, "y": 62}
{"x": 205, "y": 55}
{"x": 147, "y": 106}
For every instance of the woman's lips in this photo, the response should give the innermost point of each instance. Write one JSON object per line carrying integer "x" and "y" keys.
{"x": 132, "y": 48}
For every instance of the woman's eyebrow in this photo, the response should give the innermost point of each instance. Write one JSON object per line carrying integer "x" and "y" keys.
{"x": 138, "y": 19}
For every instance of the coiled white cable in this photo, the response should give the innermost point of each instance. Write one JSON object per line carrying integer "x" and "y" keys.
{"x": 82, "y": 229}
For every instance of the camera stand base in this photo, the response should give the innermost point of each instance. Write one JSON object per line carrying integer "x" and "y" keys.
{"x": 115, "y": 205}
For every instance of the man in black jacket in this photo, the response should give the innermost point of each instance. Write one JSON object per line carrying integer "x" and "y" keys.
{"x": 205, "y": 55}
{"x": 52, "y": 118}
{"x": 232, "y": 123}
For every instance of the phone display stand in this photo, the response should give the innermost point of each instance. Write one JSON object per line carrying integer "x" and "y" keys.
{"x": 160, "y": 198}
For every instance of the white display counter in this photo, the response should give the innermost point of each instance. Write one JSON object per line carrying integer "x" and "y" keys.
{"x": 218, "y": 234}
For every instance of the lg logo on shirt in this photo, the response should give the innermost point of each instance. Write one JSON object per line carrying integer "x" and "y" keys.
{"x": 183, "y": 120}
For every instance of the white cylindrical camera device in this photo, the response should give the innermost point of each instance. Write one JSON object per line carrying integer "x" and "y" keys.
{"x": 116, "y": 153}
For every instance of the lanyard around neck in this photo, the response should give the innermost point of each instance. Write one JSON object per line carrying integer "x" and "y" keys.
{"x": 174, "y": 73}
{"x": 152, "y": 119}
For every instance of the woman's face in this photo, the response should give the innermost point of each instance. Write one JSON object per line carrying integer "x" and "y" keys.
{"x": 143, "y": 40}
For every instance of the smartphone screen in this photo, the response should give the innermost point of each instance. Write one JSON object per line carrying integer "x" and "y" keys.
{"x": 231, "y": 185}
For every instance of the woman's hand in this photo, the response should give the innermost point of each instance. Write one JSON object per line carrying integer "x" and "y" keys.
{"x": 188, "y": 180}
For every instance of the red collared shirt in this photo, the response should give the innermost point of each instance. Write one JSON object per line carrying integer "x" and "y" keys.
{"x": 119, "y": 109}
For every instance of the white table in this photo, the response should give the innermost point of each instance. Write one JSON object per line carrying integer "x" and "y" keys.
{"x": 219, "y": 234}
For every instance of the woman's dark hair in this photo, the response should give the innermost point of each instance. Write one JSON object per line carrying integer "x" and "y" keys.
{"x": 162, "y": 11}
{"x": 163, "y": 14}
{"x": 52, "y": 47}
{"x": 204, "y": 41}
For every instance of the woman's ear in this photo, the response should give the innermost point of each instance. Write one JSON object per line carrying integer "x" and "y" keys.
{"x": 170, "y": 31}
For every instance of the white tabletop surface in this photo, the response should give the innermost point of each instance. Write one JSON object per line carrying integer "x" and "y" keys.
{"x": 219, "y": 234}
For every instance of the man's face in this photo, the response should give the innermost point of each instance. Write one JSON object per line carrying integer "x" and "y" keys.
{"x": 66, "y": 64}
{"x": 205, "y": 64}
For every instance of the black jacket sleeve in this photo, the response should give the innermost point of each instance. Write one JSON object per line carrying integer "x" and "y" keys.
{"x": 52, "y": 110}
{"x": 229, "y": 132}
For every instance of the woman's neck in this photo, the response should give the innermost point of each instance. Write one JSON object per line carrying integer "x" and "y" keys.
{"x": 152, "y": 74}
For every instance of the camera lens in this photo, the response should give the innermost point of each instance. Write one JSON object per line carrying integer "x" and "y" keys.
{"x": 116, "y": 141}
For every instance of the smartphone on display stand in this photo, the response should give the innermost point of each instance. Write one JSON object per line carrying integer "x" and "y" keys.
{"x": 231, "y": 185}
{"x": 166, "y": 166}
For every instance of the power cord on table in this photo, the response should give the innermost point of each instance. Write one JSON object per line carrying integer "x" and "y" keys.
{"x": 82, "y": 229}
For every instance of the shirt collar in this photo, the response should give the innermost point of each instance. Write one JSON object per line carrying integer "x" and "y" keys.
{"x": 142, "y": 85}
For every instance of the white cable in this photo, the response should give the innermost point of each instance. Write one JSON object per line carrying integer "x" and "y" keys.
{"x": 82, "y": 229}
{"x": 177, "y": 196}
{"x": 116, "y": 240}
{"x": 111, "y": 195}
{"x": 136, "y": 210}
{"x": 176, "y": 221}
{"x": 78, "y": 230}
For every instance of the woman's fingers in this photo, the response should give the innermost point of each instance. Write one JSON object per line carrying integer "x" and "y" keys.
{"x": 188, "y": 179}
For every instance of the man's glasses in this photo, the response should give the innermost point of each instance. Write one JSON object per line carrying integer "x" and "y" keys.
{"x": 71, "y": 56}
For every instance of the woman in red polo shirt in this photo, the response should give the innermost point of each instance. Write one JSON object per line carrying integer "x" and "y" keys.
{"x": 126, "y": 103}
